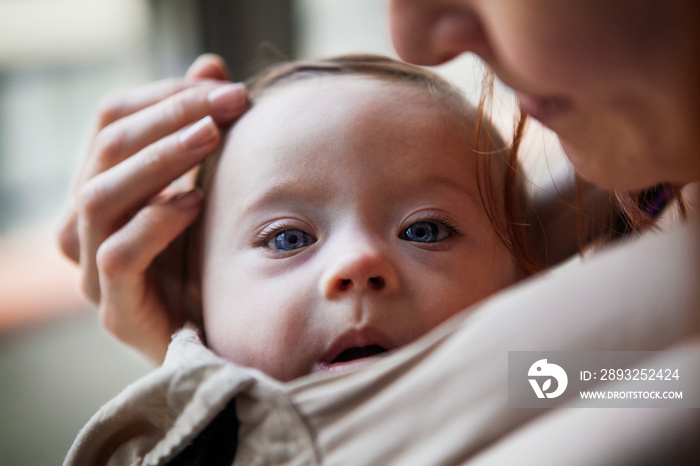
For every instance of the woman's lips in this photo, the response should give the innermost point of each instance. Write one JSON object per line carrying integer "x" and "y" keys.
{"x": 543, "y": 108}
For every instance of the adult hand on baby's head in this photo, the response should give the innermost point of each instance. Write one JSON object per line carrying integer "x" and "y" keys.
{"x": 126, "y": 214}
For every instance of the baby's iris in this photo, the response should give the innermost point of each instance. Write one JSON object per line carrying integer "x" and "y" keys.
{"x": 425, "y": 232}
{"x": 291, "y": 239}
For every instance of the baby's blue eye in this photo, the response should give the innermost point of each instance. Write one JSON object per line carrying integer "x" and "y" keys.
{"x": 291, "y": 239}
{"x": 425, "y": 232}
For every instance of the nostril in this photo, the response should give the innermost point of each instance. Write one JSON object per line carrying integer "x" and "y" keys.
{"x": 373, "y": 283}
{"x": 344, "y": 284}
{"x": 376, "y": 283}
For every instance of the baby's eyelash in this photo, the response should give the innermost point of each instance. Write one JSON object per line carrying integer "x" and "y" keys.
{"x": 269, "y": 232}
{"x": 442, "y": 220}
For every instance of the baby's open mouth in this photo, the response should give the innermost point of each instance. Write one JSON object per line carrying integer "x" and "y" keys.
{"x": 355, "y": 347}
{"x": 352, "y": 354}
{"x": 352, "y": 357}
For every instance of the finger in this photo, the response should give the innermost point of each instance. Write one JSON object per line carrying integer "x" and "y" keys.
{"x": 127, "y": 136}
{"x": 112, "y": 108}
{"x": 117, "y": 105}
{"x": 205, "y": 69}
{"x": 210, "y": 66}
{"x": 126, "y": 186}
{"x": 68, "y": 236}
{"x": 131, "y": 307}
{"x": 128, "y": 253}
{"x": 109, "y": 198}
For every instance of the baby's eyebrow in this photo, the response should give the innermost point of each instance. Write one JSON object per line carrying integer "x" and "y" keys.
{"x": 288, "y": 194}
{"x": 470, "y": 190}
{"x": 442, "y": 181}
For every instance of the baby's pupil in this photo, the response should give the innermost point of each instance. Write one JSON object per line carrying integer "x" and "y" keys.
{"x": 291, "y": 239}
{"x": 422, "y": 232}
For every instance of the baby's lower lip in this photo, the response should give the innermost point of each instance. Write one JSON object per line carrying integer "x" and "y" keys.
{"x": 543, "y": 108}
{"x": 339, "y": 366}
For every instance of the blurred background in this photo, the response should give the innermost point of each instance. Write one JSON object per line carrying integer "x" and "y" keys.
{"x": 57, "y": 58}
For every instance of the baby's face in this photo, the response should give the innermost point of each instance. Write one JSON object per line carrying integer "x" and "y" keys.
{"x": 343, "y": 221}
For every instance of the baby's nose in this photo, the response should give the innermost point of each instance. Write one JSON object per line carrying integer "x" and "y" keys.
{"x": 360, "y": 271}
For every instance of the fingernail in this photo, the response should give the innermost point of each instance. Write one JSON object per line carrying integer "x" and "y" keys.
{"x": 228, "y": 101}
{"x": 199, "y": 134}
{"x": 188, "y": 200}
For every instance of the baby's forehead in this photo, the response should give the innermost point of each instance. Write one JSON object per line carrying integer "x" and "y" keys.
{"x": 316, "y": 122}
{"x": 350, "y": 110}
{"x": 342, "y": 104}
{"x": 355, "y": 119}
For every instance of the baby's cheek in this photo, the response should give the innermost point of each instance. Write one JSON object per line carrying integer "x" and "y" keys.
{"x": 292, "y": 344}
{"x": 473, "y": 282}
{"x": 235, "y": 338}
{"x": 268, "y": 333}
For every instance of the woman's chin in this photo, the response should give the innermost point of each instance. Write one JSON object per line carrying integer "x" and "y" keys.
{"x": 598, "y": 167}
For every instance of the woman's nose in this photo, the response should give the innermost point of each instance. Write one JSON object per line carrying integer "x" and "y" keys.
{"x": 359, "y": 271}
{"x": 427, "y": 32}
